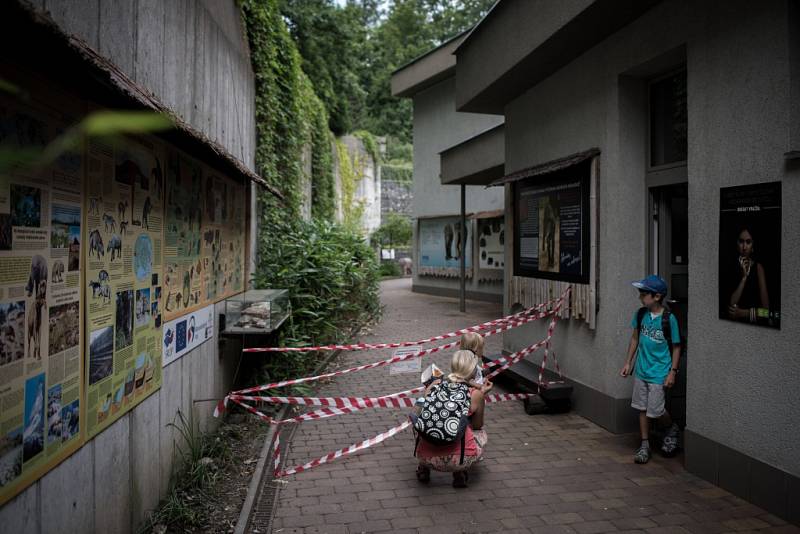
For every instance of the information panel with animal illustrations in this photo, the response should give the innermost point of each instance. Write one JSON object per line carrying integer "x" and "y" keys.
{"x": 204, "y": 236}
{"x": 123, "y": 234}
{"x": 40, "y": 301}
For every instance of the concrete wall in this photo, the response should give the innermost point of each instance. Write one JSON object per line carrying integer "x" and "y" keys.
{"x": 368, "y": 185}
{"x": 396, "y": 197}
{"x": 191, "y": 54}
{"x": 116, "y": 479}
{"x": 193, "y": 57}
{"x": 741, "y": 379}
{"x": 437, "y": 127}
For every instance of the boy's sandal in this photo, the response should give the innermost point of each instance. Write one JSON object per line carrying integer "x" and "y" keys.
{"x": 423, "y": 474}
{"x": 460, "y": 479}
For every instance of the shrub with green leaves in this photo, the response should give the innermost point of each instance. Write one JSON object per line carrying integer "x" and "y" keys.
{"x": 390, "y": 268}
{"x": 332, "y": 278}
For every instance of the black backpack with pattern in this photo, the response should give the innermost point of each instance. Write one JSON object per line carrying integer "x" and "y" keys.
{"x": 444, "y": 416}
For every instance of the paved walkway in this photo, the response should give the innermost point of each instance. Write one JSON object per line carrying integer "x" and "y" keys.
{"x": 544, "y": 473}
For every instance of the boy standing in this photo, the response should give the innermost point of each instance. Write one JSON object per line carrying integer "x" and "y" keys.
{"x": 655, "y": 344}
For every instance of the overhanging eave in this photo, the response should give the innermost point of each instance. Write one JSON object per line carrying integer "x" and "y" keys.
{"x": 478, "y": 160}
{"x": 482, "y": 90}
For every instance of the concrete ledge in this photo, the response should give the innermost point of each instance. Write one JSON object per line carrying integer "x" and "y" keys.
{"x": 765, "y": 486}
{"x": 454, "y": 293}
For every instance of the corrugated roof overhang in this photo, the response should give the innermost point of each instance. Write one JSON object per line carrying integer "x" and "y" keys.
{"x": 520, "y": 43}
{"x": 426, "y": 70}
{"x": 476, "y": 161}
{"x": 548, "y": 167}
{"x": 68, "y": 57}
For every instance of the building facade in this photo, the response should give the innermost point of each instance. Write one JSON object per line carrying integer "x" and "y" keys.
{"x": 430, "y": 82}
{"x": 657, "y": 137}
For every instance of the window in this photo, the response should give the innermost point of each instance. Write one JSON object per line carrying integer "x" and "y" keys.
{"x": 668, "y": 119}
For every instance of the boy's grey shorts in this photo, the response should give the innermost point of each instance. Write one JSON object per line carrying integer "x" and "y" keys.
{"x": 648, "y": 398}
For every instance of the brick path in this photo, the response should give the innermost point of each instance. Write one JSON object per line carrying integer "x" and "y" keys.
{"x": 544, "y": 473}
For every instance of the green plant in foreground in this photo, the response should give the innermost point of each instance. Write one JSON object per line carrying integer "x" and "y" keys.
{"x": 332, "y": 278}
{"x": 196, "y": 460}
{"x": 97, "y": 124}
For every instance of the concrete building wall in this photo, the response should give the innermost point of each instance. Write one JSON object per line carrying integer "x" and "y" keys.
{"x": 368, "y": 183}
{"x": 740, "y": 378}
{"x": 437, "y": 127}
{"x": 191, "y": 54}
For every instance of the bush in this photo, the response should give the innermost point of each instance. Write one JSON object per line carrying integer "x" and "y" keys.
{"x": 332, "y": 278}
{"x": 390, "y": 269}
{"x": 395, "y": 231}
{"x": 397, "y": 173}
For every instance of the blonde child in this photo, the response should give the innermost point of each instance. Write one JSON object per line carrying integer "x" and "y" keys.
{"x": 457, "y": 458}
{"x": 472, "y": 341}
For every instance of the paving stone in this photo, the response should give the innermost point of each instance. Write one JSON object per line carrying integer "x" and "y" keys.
{"x": 562, "y": 519}
{"x": 593, "y": 527}
{"x": 411, "y": 521}
{"x": 634, "y": 523}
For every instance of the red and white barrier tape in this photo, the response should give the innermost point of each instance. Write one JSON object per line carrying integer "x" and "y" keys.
{"x": 362, "y": 403}
{"x": 389, "y": 361}
{"x": 338, "y": 405}
{"x": 276, "y": 457}
{"x": 516, "y": 317}
{"x": 338, "y": 402}
{"x": 367, "y": 443}
{"x": 508, "y": 321}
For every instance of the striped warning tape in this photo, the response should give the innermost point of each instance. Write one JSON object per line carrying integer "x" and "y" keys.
{"x": 395, "y": 359}
{"x": 338, "y": 402}
{"x": 367, "y": 443}
{"x": 276, "y": 457}
{"x": 346, "y": 405}
{"x": 222, "y": 405}
{"x": 516, "y": 317}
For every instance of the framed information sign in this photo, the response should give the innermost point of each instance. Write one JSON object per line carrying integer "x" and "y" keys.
{"x": 551, "y": 225}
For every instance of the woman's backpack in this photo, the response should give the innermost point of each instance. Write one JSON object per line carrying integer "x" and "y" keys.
{"x": 444, "y": 415}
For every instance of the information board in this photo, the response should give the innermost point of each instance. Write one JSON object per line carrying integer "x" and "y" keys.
{"x": 551, "y": 219}
{"x": 123, "y": 237}
{"x": 204, "y": 236}
{"x": 40, "y": 303}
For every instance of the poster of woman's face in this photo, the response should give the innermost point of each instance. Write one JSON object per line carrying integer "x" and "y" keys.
{"x": 750, "y": 254}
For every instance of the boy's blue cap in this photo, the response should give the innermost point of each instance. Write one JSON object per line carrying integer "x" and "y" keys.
{"x": 653, "y": 283}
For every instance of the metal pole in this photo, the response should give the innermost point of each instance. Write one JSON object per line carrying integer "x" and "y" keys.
{"x": 463, "y": 232}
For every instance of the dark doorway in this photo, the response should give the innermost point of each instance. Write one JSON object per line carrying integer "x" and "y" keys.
{"x": 669, "y": 247}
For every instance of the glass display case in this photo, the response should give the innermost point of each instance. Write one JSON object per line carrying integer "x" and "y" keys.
{"x": 257, "y": 311}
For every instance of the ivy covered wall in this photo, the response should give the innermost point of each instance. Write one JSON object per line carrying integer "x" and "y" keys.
{"x": 289, "y": 116}
{"x": 328, "y": 268}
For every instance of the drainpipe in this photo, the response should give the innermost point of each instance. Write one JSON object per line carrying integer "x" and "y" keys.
{"x": 463, "y": 232}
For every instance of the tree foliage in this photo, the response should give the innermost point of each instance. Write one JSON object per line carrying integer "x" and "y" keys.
{"x": 395, "y": 231}
{"x": 350, "y": 52}
{"x": 330, "y": 41}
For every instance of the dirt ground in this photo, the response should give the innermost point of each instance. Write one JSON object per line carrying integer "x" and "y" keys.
{"x": 216, "y": 509}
